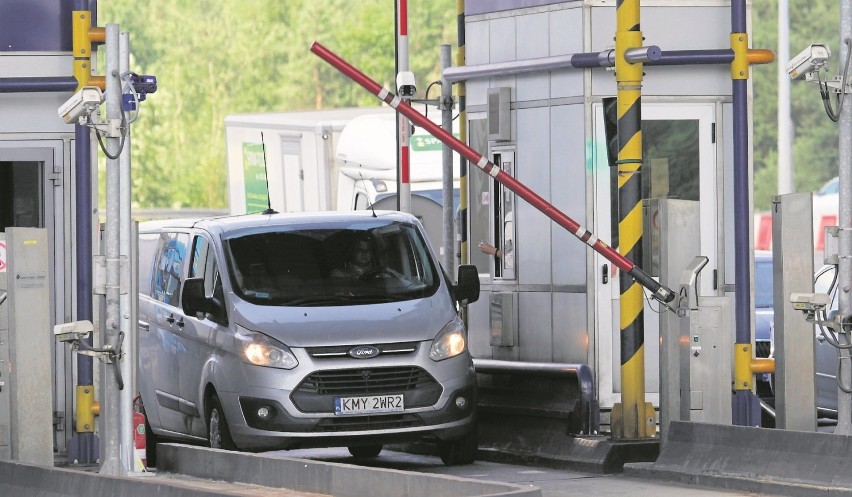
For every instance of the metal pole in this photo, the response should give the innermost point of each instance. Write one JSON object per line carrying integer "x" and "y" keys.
{"x": 659, "y": 291}
{"x": 111, "y": 462}
{"x": 632, "y": 418}
{"x": 404, "y": 193}
{"x": 84, "y": 447}
{"x": 447, "y": 161}
{"x": 462, "y": 103}
{"x": 844, "y": 268}
{"x": 746, "y": 405}
{"x": 37, "y": 84}
{"x": 125, "y": 242}
{"x": 786, "y": 184}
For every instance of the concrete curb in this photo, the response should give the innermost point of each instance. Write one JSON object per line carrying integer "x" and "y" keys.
{"x": 338, "y": 480}
{"x": 776, "y": 462}
{"x": 28, "y": 480}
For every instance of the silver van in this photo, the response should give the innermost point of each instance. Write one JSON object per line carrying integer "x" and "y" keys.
{"x": 281, "y": 331}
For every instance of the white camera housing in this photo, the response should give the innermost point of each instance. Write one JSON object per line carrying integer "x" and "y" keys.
{"x": 809, "y": 302}
{"x": 73, "y": 332}
{"x": 808, "y": 60}
{"x": 405, "y": 84}
{"x": 81, "y": 104}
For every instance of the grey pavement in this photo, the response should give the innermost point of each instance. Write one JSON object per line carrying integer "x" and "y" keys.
{"x": 552, "y": 482}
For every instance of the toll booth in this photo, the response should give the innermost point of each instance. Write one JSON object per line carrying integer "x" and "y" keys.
{"x": 549, "y": 299}
{"x": 37, "y": 170}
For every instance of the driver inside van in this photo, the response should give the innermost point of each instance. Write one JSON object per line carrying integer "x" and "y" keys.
{"x": 360, "y": 260}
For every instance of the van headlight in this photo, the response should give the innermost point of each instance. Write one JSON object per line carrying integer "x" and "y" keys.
{"x": 450, "y": 342}
{"x": 261, "y": 350}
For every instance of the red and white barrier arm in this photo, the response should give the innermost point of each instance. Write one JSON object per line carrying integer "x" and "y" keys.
{"x": 660, "y": 292}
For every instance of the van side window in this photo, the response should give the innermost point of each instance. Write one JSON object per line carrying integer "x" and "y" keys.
{"x": 166, "y": 279}
{"x": 147, "y": 248}
{"x": 203, "y": 264}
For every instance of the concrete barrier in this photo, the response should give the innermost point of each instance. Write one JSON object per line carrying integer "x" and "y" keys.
{"x": 776, "y": 462}
{"x": 284, "y": 476}
{"x": 338, "y": 480}
{"x": 28, "y": 480}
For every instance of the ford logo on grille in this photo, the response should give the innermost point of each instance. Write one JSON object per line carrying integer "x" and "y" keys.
{"x": 363, "y": 352}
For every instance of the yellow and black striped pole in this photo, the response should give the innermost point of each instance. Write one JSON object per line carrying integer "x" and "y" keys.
{"x": 632, "y": 418}
{"x": 462, "y": 101}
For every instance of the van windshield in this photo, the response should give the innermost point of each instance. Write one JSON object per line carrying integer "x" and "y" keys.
{"x": 359, "y": 263}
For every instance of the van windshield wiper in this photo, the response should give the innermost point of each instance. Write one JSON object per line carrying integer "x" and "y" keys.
{"x": 341, "y": 299}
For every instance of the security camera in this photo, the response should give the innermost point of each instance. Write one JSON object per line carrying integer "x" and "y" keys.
{"x": 82, "y": 103}
{"x": 73, "y": 332}
{"x": 809, "y": 60}
{"x": 405, "y": 84}
{"x": 809, "y": 303}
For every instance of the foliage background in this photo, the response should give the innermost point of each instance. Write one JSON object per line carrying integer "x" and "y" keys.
{"x": 815, "y": 138}
{"x": 218, "y": 57}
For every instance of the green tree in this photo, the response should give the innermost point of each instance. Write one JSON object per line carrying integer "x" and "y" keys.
{"x": 815, "y": 149}
{"x": 214, "y": 58}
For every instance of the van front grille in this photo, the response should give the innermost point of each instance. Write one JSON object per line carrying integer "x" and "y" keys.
{"x": 318, "y": 391}
{"x": 366, "y": 381}
{"x": 398, "y": 348}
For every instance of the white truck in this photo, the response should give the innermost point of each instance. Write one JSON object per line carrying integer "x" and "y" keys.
{"x": 341, "y": 159}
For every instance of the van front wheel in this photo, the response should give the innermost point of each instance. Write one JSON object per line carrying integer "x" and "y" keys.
{"x": 459, "y": 451}
{"x": 218, "y": 434}
{"x": 364, "y": 451}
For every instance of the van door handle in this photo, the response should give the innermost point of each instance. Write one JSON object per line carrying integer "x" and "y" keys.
{"x": 144, "y": 326}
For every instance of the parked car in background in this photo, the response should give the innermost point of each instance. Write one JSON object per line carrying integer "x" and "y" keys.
{"x": 764, "y": 313}
{"x": 827, "y": 359}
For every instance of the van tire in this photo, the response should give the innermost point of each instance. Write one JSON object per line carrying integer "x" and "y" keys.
{"x": 459, "y": 451}
{"x": 218, "y": 434}
{"x": 151, "y": 441}
{"x": 365, "y": 451}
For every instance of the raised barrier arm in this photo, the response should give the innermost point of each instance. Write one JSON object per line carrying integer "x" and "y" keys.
{"x": 660, "y": 292}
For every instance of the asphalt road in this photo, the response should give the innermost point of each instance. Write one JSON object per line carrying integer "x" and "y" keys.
{"x": 553, "y": 482}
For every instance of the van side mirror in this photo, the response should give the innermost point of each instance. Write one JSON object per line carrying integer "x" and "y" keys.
{"x": 467, "y": 288}
{"x": 194, "y": 300}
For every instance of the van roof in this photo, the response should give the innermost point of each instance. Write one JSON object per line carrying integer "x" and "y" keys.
{"x": 231, "y": 223}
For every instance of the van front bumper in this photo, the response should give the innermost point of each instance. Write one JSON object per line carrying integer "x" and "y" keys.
{"x": 267, "y": 419}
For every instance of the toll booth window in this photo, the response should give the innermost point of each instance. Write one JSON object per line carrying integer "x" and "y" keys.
{"x": 479, "y": 207}
{"x": 670, "y": 160}
{"x": 21, "y": 198}
{"x": 166, "y": 279}
{"x": 504, "y": 219}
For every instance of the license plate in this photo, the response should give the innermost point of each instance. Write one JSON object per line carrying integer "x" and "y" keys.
{"x": 368, "y": 404}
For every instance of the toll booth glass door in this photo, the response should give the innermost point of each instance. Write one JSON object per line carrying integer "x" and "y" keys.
{"x": 679, "y": 161}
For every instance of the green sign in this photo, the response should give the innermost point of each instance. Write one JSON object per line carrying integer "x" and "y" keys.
{"x": 426, "y": 143}
{"x": 254, "y": 172}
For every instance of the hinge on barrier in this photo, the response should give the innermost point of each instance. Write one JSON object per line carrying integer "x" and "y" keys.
{"x": 100, "y": 282}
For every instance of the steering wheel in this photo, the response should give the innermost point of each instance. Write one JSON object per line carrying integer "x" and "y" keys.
{"x": 376, "y": 274}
